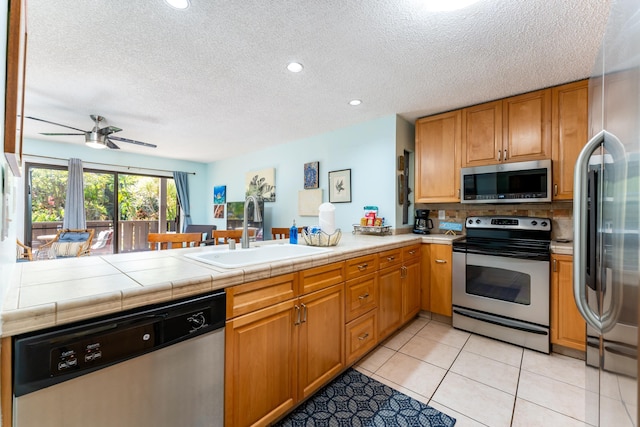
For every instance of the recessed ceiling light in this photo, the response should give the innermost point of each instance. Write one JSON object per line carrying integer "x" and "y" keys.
{"x": 294, "y": 67}
{"x": 178, "y": 4}
{"x": 446, "y": 5}
{"x": 355, "y": 102}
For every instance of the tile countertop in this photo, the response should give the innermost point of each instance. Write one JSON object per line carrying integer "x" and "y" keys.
{"x": 49, "y": 293}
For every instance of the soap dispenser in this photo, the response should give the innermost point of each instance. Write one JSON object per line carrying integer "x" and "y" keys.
{"x": 293, "y": 234}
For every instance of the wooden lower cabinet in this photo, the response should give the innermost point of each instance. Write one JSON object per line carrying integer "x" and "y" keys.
{"x": 390, "y": 301}
{"x": 440, "y": 257}
{"x": 425, "y": 277}
{"x": 321, "y": 339}
{"x": 410, "y": 289}
{"x": 568, "y": 328}
{"x": 281, "y": 354}
{"x": 261, "y": 360}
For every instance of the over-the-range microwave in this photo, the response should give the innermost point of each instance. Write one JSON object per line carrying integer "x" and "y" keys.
{"x": 507, "y": 183}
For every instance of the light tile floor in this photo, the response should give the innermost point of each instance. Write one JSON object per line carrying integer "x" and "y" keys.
{"x": 480, "y": 381}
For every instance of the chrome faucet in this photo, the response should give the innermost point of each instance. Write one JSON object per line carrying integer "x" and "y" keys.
{"x": 256, "y": 217}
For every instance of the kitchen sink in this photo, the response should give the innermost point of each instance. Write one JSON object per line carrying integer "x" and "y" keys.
{"x": 237, "y": 258}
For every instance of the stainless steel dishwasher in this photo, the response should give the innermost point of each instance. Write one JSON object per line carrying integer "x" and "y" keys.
{"x": 158, "y": 366}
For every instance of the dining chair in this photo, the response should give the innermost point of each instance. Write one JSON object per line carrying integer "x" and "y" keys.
{"x": 223, "y": 236}
{"x": 206, "y": 230}
{"x": 173, "y": 240}
{"x": 282, "y": 232}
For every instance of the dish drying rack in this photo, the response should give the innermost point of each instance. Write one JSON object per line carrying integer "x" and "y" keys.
{"x": 379, "y": 230}
{"x": 320, "y": 238}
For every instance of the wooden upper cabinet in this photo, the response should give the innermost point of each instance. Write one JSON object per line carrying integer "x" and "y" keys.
{"x": 482, "y": 134}
{"x": 569, "y": 133}
{"x": 438, "y": 145}
{"x": 526, "y": 121}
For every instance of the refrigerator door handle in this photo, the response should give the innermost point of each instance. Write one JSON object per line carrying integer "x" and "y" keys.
{"x": 580, "y": 233}
{"x": 617, "y": 152}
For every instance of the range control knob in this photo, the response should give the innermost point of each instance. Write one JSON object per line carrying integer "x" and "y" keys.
{"x": 478, "y": 221}
{"x": 534, "y": 222}
{"x": 543, "y": 223}
{"x": 470, "y": 221}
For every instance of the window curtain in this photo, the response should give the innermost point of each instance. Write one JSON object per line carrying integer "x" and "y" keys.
{"x": 74, "y": 213}
{"x": 182, "y": 187}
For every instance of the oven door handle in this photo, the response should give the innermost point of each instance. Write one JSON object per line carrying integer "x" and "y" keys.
{"x": 616, "y": 149}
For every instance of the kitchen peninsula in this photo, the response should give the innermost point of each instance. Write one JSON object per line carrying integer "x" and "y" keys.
{"x": 45, "y": 294}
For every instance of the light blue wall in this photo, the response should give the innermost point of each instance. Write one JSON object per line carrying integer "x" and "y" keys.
{"x": 368, "y": 149}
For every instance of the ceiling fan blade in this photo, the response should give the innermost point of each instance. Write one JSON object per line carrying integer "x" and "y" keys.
{"x": 109, "y": 130}
{"x": 132, "y": 141}
{"x": 111, "y": 145}
{"x": 59, "y": 134}
{"x": 54, "y": 123}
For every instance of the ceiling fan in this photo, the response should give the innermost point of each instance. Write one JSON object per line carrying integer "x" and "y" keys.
{"x": 97, "y": 137}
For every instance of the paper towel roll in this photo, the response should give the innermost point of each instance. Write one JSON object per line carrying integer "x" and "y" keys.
{"x": 327, "y": 218}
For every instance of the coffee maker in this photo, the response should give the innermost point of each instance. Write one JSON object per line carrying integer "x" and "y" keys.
{"x": 422, "y": 223}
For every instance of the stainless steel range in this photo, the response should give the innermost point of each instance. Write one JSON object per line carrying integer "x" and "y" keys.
{"x": 501, "y": 279}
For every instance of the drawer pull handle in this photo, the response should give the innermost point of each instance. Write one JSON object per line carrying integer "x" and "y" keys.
{"x": 304, "y": 314}
{"x": 363, "y": 336}
{"x": 412, "y": 252}
{"x": 441, "y": 261}
{"x": 365, "y": 296}
{"x": 363, "y": 266}
{"x": 390, "y": 258}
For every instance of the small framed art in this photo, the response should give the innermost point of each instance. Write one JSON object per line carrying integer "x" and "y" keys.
{"x": 311, "y": 175}
{"x": 340, "y": 186}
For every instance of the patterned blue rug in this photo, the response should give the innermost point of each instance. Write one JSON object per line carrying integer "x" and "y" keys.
{"x": 355, "y": 400}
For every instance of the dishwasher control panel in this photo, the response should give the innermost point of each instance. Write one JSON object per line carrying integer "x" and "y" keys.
{"x": 101, "y": 349}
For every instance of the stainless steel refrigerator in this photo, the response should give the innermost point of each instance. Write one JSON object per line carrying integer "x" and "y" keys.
{"x": 607, "y": 223}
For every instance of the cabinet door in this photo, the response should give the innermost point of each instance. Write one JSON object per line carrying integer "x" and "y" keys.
{"x": 260, "y": 365}
{"x": 425, "y": 277}
{"x": 527, "y": 128}
{"x": 440, "y": 278}
{"x": 410, "y": 290}
{"x": 438, "y": 144}
{"x": 321, "y": 342}
{"x": 568, "y": 328}
{"x": 570, "y": 118}
{"x": 390, "y": 301}
{"x": 482, "y": 134}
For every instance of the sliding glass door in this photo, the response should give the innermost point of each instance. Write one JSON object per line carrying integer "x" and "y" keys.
{"x": 121, "y": 208}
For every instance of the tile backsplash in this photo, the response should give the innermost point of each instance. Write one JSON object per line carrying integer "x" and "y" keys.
{"x": 560, "y": 213}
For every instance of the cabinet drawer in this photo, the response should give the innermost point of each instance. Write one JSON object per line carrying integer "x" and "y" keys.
{"x": 356, "y": 267}
{"x": 411, "y": 252}
{"x": 361, "y": 336}
{"x": 389, "y": 258}
{"x": 252, "y": 296}
{"x": 314, "y": 279}
{"x": 362, "y": 296}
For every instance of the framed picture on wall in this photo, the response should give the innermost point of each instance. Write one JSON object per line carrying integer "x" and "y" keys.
{"x": 340, "y": 186}
{"x": 311, "y": 175}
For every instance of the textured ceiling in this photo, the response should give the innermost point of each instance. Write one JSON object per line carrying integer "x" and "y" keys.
{"x": 210, "y": 82}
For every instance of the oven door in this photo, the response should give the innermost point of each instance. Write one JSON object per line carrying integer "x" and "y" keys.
{"x": 510, "y": 287}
